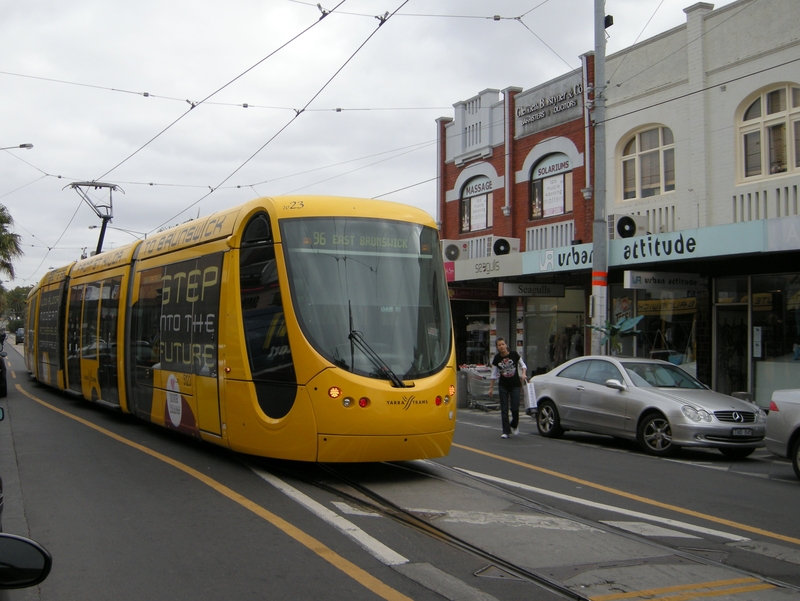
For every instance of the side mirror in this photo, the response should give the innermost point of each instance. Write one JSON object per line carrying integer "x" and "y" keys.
{"x": 615, "y": 384}
{"x": 23, "y": 562}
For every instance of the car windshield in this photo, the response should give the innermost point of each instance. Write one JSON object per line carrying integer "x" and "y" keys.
{"x": 658, "y": 375}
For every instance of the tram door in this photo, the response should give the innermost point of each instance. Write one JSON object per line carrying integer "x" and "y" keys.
{"x": 92, "y": 340}
{"x": 173, "y": 345}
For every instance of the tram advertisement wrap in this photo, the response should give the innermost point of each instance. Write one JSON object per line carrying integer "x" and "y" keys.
{"x": 190, "y": 297}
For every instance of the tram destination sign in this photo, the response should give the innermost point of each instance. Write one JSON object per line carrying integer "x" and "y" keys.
{"x": 354, "y": 236}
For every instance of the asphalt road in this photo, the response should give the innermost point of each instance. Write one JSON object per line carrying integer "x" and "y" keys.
{"x": 131, "y": 511}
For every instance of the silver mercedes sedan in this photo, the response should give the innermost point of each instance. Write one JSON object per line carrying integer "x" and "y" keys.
{"x": 650, "y": 401}
{"x": 783, "y": 426}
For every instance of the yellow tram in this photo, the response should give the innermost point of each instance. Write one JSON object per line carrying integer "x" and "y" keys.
{"x": 307, "y": 328}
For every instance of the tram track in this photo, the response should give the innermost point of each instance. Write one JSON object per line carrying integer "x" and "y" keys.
{"x": 350, "y": 490}
{"x": 340, "y": 481}
{"x": 529, "y": 503}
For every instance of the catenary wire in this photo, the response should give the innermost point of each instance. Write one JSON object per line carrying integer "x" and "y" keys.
{"x": 616, "y": 117}
{"x": 382, "y": 20}
{"x": 194, "y": 105}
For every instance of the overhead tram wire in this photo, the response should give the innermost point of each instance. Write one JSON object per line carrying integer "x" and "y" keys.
{"x": 432, "y": 179}
{"x": 410, "y": 148}
{"x": 358, "y": 169}
{"x": 50, "y": 248}
{"x": 487, "y": 126}
{"x": 382, "y": 20}
{"x": 566, "y": 133}
{"x": 22, "y": 186}
{"x": 194, "y": 105}
{"x": 248, "y": 105}
{"x": 653, "y": 66}
{"x": 660, "y": 4}
{"x": 427, "y": 15}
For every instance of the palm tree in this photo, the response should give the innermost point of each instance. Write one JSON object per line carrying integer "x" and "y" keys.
{"x": 9, "y": 243}
{"x": 15, "y": 300}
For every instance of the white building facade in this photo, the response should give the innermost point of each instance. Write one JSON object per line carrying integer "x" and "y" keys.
{"x": 703, "y": 131}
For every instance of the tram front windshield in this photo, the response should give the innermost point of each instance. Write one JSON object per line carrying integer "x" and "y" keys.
{"x": 370, "y": 294}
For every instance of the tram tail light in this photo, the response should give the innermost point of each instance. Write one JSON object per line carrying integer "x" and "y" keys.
{"x": 364, "y": 402}
{"x": 438, "y": 400}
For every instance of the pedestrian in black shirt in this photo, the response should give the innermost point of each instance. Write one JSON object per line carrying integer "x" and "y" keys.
{"x": 509, "y": 369}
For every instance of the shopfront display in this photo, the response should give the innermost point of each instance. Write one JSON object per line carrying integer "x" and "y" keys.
{"x": 555, "y": 330}
{"x": 757, "y": 334}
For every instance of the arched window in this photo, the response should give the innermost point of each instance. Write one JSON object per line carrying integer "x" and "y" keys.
{"x": 551, "y": 187}
{"x": 476, "y": 204}
{"x": 648, "y": 164}
{"x": 769, "y": 133}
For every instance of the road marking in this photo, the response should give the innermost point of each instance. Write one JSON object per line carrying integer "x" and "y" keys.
{"x": 640, "y": 499}
{"x": 645, "y": 529}
{"x": 358, "y": 574}
{"x": 487, "y": 518}
{"x": 612, "y": 508}
{"x": 348, "y": 509}
{"x": 376, "y": 548}
{"x": 692, "y": 591}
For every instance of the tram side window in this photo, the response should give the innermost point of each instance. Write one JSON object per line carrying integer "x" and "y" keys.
{"x": 48, "y": 335}
{"x": 90, "y": 340}
{"x": 146, "y": 315}
{"x": 262, "y": 308}
{"x": 109, "y": 313}
{"x": 74, "y": 337}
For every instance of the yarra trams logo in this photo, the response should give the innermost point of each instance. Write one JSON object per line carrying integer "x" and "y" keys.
{"x": 408, "y": 401}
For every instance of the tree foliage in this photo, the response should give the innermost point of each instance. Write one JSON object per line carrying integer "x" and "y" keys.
{"x": 10, "y": 244}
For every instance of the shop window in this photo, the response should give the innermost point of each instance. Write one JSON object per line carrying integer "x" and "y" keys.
{"x": 648, "y": 164}
{"x": 476, "y": 205}
{"x": 554, "y": 330}
{"x": 730, "y": 337}
{"x": 668, "y": 326}
{"x": 775, "y": 335}
{"x": 769, "y": 133}
{"x": 551, "y": 187}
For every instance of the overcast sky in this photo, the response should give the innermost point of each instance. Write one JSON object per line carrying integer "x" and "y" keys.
{"x": 105, "y": 91}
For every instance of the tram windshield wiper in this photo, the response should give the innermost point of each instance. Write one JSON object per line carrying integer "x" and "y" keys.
{"x": 357, "y": 341}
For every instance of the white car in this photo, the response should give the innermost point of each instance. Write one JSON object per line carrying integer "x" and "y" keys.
{"x": 783, "y": 426}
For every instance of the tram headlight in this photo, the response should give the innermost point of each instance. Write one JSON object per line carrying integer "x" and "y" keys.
{"x": 347, "y": 401}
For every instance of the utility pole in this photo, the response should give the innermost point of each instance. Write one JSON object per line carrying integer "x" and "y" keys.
{"x": 599, "y": 299}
